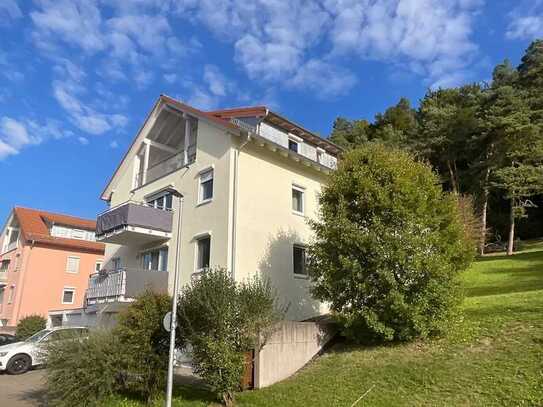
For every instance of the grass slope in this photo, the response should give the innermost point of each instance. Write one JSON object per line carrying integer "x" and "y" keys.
{"x": 494, "y": 356}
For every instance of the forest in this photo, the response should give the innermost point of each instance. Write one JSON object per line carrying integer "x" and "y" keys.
{"x": 485, "y": 140}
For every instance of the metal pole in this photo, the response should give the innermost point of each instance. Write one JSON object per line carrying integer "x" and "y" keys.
{"x": 173, "y": 324}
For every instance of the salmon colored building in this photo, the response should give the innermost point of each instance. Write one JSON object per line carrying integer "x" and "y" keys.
{"x": 45, "y": 263}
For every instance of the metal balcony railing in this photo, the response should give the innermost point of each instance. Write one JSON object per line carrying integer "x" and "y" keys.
{"x": 133, "y": 214}
{"x": 124, "y": 284}
{"x": 167, "y": 166}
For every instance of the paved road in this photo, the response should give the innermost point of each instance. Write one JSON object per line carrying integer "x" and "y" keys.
{"x": 26, "y": 390}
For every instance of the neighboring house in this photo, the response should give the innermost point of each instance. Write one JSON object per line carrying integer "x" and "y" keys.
{"x": 230, "y": 188}
{"x": 45, "y": 263}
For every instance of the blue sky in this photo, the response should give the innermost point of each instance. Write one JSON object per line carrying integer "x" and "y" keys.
{"x": 78, "y": 77}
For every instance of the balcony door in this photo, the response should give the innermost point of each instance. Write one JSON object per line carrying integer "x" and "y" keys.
{"x": 156, "y": 260}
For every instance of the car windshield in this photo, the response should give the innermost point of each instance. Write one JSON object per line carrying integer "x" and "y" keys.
{"x": 38, "y": 335}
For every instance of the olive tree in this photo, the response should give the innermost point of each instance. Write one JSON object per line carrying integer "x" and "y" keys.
{"x": 389, "y": 247}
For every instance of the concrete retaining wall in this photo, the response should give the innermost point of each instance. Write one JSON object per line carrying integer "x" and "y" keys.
{"x": 291, "y": 346}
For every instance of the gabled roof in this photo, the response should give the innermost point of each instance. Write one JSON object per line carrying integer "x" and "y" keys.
{"x": 33, "y": 227}
{"x": 223, "y": 118}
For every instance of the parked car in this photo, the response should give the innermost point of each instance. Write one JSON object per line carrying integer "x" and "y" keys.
{"x": 7, "y": 338}
{"x": 19, "y": 357}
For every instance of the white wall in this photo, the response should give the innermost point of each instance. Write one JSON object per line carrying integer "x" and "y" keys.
{"x": 267, "y": 228}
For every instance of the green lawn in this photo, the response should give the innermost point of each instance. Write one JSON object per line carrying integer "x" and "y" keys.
{"x": 493, "y": 357}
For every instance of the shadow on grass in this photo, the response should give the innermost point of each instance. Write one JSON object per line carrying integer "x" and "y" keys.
{"x": 193, "y": 392}
{"x": 523, "y": 256}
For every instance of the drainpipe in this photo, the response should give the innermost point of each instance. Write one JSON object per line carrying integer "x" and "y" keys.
{"x": 234, "y": 206}
{"x": 23, "y": 279}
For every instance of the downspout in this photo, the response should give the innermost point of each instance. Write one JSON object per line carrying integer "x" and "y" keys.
{"x": 23, "y": 279}
{"x": 234, "y": 207}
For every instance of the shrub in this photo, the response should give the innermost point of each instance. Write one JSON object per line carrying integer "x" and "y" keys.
{"x": 145, "y": 344}
{"x": 29, "y": 325}
{"x": 388, "y": 249}
{"x": 221, "y": 320}
{"x": 83, "y": 372}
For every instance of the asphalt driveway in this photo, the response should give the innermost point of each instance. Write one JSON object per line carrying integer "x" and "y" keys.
{"x": 26, "y": 390}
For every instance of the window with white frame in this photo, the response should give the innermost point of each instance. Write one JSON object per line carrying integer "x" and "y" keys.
{"x": 11, "y": 295}
{"x": 298, "y": 204}
{"x": 299, "y": 260}
{"x": 163, "y": 201}
{"x": 206, "y": 186}
{"x": 156, "y": 260}
{"x": 203, "y": 252}
{"x": 68, "y": 295}
{"x": 98, "y": 266}
{"x": 72, "y": 264}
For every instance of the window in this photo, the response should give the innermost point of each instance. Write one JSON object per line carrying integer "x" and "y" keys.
{"x": 156, "y": 260}
{"x": 320, "y": 155}
{"x": 98, "y": 266}
{"x": 293, "y": 145}
{"x": 11, "y": 295}
{"x": 163, "y": 202}
{"x": 1, "y": 298}
{"x": 297, "y": 200}
{"x": 4, "y": 266}
{"x": 299, "y": 260}
{"x": 68, "y": 295}
{"x": 14, "y": 236}
{"x": 206, "y": 186}
{"x": 79, "y": 234}
{"x": 203, "y": 246}
{"x": 72, "y": 265}
{"x": 116, "y": 263}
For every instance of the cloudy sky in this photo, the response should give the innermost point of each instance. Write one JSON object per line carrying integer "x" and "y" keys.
{"x": 78, "y": 77}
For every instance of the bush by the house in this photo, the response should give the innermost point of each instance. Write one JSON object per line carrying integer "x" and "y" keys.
{"x": 132, "y": 358}
{"x": 29, "y": 325}
{"x": 221, "y": 320}
{"x": 83, "y": 372}
{"x": 389, "y": 246}
{"x": 145, "y": 344}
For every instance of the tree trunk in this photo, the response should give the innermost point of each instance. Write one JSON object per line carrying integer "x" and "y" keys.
{"x": 484, "y": 210}
{"x": 511, "y": 240}
{"x": 452, "y": 177}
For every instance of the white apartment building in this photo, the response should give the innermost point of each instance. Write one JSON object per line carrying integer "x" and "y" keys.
{"x": 231, "y": 188}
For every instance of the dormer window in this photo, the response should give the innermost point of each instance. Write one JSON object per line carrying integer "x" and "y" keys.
{"x": 293, "y": 145}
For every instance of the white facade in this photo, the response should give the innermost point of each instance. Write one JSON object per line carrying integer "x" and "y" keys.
{"x": 247, "y": 195}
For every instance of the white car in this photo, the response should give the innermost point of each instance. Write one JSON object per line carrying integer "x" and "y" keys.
{"x": 19, "y": 357}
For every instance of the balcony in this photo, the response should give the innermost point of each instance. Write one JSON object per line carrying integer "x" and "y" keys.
{"x": 134, "y": 223}
{"x": 123, "y": 285}
{"x": 166, "y": 166}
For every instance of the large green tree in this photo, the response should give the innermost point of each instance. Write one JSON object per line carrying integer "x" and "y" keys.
{"x": 448, "y": 119}
{"x": 389, "y": 246}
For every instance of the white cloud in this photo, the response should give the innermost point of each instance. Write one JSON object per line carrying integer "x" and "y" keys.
{"x": 14, "y": 136}
{"x": 9, "y": 10}
{"x": 216, "y": 81}
{"x": 203, "y": 99}
{"x": 280, "y": 40}
{"x": 429, "y": 37}
{"x": 114, "y": 144}
{"x": 83, "y": 140}
{"x": 325, "y": 80}
{"x": 170, "y": 77}
{"x": 526, "y": 21}
{"x": 68, "y": 94}
{"x": 76, "y": 22}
